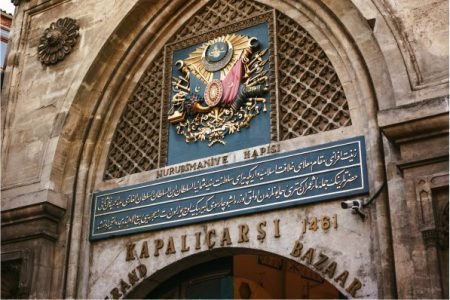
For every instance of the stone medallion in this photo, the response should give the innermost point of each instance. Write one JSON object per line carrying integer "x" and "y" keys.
{"x": 57, "y": 41}
{"x": 213, "y": 93}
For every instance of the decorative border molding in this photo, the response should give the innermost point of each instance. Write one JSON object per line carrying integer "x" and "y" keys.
{"x": 428, "y": 224}
{"x": 233, "y": 190}
{"x": 415, "y": 77}
{"x": 43, "y": 217}
{"x": 26, "y": 271}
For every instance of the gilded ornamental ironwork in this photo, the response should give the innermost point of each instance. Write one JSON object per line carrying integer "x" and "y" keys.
{"x": 221, "y": 88}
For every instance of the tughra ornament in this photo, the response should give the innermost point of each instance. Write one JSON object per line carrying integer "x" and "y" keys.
{"x": 57, "y": 41}
{"x": 220, "y": 90}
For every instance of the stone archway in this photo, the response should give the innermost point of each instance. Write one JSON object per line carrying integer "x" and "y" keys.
{"x": 237, "y": 273}
{"x": 97, "y": 106}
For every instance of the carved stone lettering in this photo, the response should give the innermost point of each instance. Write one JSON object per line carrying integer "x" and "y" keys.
{"x": 321, "y": 262}
{"x": 226, "y": 239}
{"x": 342, "y": 278}
{"x": 130, "y": 251}
{"x": 209, "y": 238}
{"x": 115, "y": 293}
{"x": 330, "y": 270}
{"x": 170, "y": 246}
{"x": 354, "y": 287}
{"x": 308, "y": 256}
{"x": 142, "y": 269}
{"x": 277, "y": 228}
{"x": 297, "y": 250}
{"x": 144, "y": 250}
{"x": 159, "y": 244}
{"x": 132, "y": 277}
{"x": 261, "y": 232}
{"x": 197, "y": 240}
{"x": 124, "y": 286}
{"x": 243, "y": 233}
{"x": 184, "y": 248}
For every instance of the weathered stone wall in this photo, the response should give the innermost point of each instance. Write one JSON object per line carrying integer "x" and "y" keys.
{"x": 35, "y": 102}
{"x": 113, "y": 262}
{"x": 37, "y": 97}
{"x": 58, "y": 121}
{"x": 413, "y": 38}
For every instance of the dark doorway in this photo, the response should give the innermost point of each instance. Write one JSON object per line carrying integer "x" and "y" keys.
{"x": 247, "y": 277}
{"x": 211, "y": 280}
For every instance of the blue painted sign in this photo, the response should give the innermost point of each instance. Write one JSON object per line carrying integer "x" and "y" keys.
{"x": 319, "y": 173}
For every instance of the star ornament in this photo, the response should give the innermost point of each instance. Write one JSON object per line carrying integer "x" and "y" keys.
{"x": 221, "y": 88}
{"x": 219, "y": 54}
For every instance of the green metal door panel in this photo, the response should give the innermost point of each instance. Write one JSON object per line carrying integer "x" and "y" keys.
{"x": 212, "y": 288}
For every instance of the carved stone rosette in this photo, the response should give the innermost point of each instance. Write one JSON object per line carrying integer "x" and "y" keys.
{"x": 57, "y": 41}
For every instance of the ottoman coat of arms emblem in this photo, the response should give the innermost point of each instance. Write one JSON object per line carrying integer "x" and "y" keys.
{"x": 220, "y": 90}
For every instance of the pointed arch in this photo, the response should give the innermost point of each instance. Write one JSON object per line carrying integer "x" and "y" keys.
{"x": 271, "y": 262}
{"x": 83, "y": 145}
{"x": 307, "y": 95}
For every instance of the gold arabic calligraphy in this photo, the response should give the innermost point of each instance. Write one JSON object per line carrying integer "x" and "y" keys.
{"x": 240, "y": 188}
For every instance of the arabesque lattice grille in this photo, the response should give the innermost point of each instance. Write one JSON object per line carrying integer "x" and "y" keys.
{"x": 217, "y": 14}
{"x": 311, "y": 98}
{"x": 135, "y": 146}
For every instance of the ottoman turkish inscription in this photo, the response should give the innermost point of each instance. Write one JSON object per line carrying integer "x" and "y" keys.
{"x": 325, "y": 172}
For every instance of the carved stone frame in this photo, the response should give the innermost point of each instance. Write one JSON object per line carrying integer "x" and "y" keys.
{"x": 26, "y": 269}
{"x": 426, "y": 215}
{"x": 429, "y": 225}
